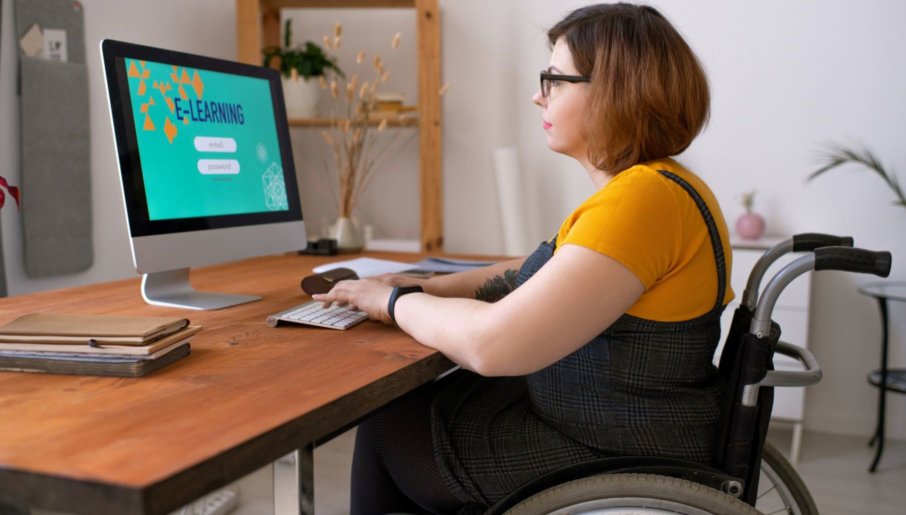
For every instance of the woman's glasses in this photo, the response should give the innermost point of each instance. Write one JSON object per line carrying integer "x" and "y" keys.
{"x": 549, "y": 79}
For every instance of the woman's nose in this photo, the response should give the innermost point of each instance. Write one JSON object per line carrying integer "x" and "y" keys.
{"x": 538, "y": 99}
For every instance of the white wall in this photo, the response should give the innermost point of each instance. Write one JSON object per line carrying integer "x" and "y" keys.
{"x": 786, "y": 77}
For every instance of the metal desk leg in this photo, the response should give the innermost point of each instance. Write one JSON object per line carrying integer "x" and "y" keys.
{"x": 882, "y": 389}
{"x": 294, "y": 483}
{"x": 796, "y": 443}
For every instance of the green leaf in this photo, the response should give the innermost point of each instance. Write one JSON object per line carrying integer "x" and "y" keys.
{"x": 309, "y": 60}
{"x": 837, "y": 155}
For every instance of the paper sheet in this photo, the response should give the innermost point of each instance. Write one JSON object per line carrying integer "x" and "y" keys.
{"x": 369, "y": 267}
{"x": 366, "y": 267}
{"x": 449, "y": 266}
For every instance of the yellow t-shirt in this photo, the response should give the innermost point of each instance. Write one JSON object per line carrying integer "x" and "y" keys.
{"x": 652, "y": 226}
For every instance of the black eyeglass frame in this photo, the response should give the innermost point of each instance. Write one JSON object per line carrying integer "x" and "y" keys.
{"x": 547, "y": 77}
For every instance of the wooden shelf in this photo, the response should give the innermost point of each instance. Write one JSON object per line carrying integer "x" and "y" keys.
{"x": 328, "y": 122}
{"x": 258, "y": 25}
{"x": 335, "y": 4}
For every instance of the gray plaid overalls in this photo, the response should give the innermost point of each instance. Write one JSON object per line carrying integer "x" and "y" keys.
{"x": 639, "y": 388}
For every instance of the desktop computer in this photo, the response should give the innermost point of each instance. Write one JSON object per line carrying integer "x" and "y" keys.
{"x": 205, "y": 164}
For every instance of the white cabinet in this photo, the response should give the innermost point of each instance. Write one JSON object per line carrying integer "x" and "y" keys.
{"x": 790, "y": 312}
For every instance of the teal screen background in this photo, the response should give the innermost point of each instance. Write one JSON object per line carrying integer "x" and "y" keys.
{"x": 174, "y": 186}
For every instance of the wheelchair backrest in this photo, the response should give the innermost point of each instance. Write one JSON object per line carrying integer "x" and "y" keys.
{"x": 742, "y": 429}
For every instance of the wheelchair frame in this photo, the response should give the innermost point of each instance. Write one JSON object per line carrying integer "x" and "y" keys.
{"x": 741, "y": 453}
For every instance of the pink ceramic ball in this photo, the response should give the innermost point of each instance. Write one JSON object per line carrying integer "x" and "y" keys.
{"x": 750, "y": 226}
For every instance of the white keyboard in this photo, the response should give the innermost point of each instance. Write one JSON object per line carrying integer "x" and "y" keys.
{"x": 312, "y": 313}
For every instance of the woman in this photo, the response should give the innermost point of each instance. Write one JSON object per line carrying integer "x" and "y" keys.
{"x": 601, "y": 344}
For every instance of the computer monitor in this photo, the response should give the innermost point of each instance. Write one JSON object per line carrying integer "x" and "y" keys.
{"x": 205, "y": 165}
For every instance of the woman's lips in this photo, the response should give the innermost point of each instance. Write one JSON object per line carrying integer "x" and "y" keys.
{"x": 546, "y": 124}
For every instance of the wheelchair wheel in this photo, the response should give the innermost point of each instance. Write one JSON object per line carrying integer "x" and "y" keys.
{"x": 631, "y": 493}
{"x": 780, "y": 489}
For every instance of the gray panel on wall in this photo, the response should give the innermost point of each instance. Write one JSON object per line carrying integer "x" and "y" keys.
{"x": 56, "y": 161}
{"x": 2, "y": 263}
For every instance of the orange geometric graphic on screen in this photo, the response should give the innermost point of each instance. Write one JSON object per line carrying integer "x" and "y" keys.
{"x": 178, "y": 79}
{"x": 144, "y": 108}
{"x": 144, "y": 74}
{"x": 197, "y": 85}
{"x": 170, "y": 130}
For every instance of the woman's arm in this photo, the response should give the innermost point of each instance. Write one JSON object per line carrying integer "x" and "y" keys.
{"x": 573, "y": 298}
{"x": 490, "y": 283}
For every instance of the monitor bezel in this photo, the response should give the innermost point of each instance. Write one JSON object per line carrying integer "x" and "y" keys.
{"x": 114, "y": 55}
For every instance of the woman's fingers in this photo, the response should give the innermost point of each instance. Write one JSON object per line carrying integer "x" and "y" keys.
{"x": 368, "y": 295}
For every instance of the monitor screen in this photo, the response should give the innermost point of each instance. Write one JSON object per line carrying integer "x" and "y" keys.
{"x": 205, "y": 161}
{"x": 201, "y": 142}
{"x": 208, "y": 145}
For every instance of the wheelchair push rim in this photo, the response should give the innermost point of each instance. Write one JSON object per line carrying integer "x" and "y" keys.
{"x": 781, "y": 490}
{"x": 632, "y": 493}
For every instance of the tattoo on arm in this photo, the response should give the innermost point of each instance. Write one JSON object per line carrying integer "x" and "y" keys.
{"x": 497, "y": 287}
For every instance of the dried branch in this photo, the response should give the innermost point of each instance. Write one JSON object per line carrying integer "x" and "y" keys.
{"x": 352, "y": 136}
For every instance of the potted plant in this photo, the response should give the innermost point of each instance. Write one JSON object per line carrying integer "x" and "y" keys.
{"x": 750, "y": 225}
{"x": 300, "y": 68}
{"x": 838, "y": 155}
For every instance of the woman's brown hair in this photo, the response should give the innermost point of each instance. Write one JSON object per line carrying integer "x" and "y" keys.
{"x": 648, "y": 93}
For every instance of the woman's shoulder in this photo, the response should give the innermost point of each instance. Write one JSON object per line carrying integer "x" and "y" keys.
{"x": 643, "y": 181}
{"x": 658, "y": 170}
{"x": 662, "y": 176}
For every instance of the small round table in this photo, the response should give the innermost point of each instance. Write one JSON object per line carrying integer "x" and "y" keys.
{"x": 884, "y": 379}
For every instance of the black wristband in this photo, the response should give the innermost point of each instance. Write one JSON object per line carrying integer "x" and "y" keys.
{"x": 398, "y": 292}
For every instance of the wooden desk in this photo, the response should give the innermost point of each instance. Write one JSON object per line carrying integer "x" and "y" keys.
{"x": 247, "y": 395}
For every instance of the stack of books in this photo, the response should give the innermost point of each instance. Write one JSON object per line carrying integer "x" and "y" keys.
{"x": 93, "y": 344}
{"x": 390, "y": 106}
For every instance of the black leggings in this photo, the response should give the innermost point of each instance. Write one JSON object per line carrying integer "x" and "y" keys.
{"x": 393, "y": 466}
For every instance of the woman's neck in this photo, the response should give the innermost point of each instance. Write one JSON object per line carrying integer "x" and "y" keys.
{"x": 599, "y": 178}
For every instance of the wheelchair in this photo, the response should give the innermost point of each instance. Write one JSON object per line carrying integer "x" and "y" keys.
{"x": 748, "y": 475}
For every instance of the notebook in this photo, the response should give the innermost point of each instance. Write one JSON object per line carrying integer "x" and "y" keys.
{"x": 94, "y": 365}
{"x": 50, "y": 328}
{"x": 149, "y": 349}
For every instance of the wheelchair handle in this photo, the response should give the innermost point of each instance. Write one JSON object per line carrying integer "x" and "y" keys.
{"x": 804, "y": 242}
{"x": 825, "y": 258}
{"x": 810, "y": 241}
{"x": 811, "y": 375}
{"x": 853, "y": 260}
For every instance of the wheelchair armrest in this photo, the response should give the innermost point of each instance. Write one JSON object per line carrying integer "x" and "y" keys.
{"x": 811, "y": 375}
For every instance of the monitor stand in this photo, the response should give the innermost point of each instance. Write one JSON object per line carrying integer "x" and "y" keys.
{"x": 172, "y": 289}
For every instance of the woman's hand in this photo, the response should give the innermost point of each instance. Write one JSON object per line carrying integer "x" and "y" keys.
{"x": 368, "y": 295}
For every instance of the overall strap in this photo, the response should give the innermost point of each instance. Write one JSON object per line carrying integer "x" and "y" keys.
{"x": 536, "y": 260}
{"x": 713, "y": 233}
